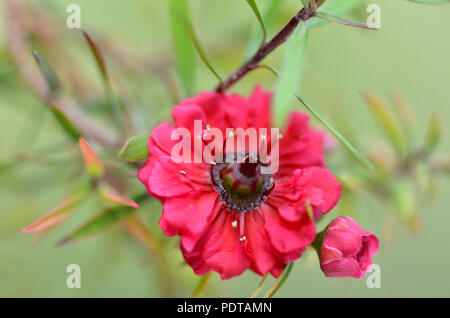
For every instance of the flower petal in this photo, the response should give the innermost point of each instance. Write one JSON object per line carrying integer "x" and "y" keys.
{"x": 257, "y": 245}
{"x": 219, "y": 249}
{"x": 190, "y": 215}
{"x": 346, "y": 267}
{"x": 286, "y": 236}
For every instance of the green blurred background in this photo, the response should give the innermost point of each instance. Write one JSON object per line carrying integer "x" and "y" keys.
{"x": 408, "y": 54}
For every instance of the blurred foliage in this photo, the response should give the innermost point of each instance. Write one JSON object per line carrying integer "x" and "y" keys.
{"x": 134, "y": 61}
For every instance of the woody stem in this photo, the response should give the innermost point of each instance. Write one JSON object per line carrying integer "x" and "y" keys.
{"x": 266, "y": 48}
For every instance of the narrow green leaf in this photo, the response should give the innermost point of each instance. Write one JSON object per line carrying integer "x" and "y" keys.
{"x": 255, "y": 10}
{"x": 62, "y": 211}
{"x": 305, "y": 2}
{"x": 92, "y": 162}
{"x": 115, "y": 103}
{"x": 138, "y": 228}
{"x": 335, "y": 19}
{"x": 184, "y": 48}
{"x": 387, "y": 121}
{"x": 135, "y": 149}
{"x": 96, "y": 51}
{"x": 184, "y": 20}
{"x": 429, "y": 1}
{"x": 333, "y": 7}
{"x": 49, "y": 74}
{"x": 405, "y": 115}
{"x": 269, "y": 18}
{"x": 113, "y": 196}
{"x": 66, "y": 124}
{"x": 361, "y": 159}
{"x": 434, "y": 132}
{"x": 103, "y": 221}
{"x": 270, "y": 68}
{"x": 57, "y": 215}
{"x": 291, "y": 72}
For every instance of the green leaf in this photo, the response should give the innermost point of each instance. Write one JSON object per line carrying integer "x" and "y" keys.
{"x": 135, "y": 149}
{"x": 429, "y": 1}
{"x": 61, "y": 212}
{"x": 49, "y": 74}
{"x": 92, "y": 162}
{"x": 115, "y": 103}
{"x": 255, "y": 10}
{"x": 434, "y": 132}
{"x": 184, "y": 48}
{"x": 291, "y": 72}
{"x": 334, "y": 19}
{"x": 269, "y": 18}
{"x": 270, "y": 68}
{"x": 103, "y": 221}
{"x": 98, "y": 56}
{"x": 57, "y": 215}
{"x": 140, "y": 230}
{"x": 66, "y": 124}
{"x": 186, "y": 22}
{"x": 333, "y": 7}
{"x": 387, "y": 121}
{"x": 358, "y": 156}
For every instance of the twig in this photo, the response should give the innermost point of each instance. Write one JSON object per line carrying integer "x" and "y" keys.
{"x": 267, "y": 47}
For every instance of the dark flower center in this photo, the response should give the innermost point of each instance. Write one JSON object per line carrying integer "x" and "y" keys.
{"x": 242, "y": 186}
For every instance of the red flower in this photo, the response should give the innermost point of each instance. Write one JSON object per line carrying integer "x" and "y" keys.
{"x": 347, "y": 249}
{"x": 230, "y": 216}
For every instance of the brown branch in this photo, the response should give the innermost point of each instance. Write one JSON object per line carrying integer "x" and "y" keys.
{"x": 267, "y": 47}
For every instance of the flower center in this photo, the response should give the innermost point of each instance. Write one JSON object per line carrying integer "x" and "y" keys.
{"x": 242, "y": 186}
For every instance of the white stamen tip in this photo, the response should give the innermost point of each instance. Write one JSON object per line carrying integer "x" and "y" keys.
{"x": 183, "y": 172}
{"x": 243, "y": 239}
{"x": 234, "y": 224}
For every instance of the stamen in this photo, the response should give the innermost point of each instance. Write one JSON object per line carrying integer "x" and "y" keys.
{"x": 183, "y": 172}
{"x": 241, "y": 223}
{"x": 234, "y": 224}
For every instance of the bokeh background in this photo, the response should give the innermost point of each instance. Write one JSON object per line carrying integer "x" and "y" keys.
{"x": 39, "y": 165}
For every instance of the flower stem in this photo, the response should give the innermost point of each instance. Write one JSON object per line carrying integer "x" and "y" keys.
{"x": 202, "y": 285}
{"x": 258, "y": 289}
{"x": 266, "y": 48}
{"x": 280, "y": 281}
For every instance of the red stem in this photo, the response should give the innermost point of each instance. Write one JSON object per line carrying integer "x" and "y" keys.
{"x": 266, "y": 48}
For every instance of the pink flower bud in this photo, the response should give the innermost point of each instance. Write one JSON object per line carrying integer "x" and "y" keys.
{"x": 347, "y": 249}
